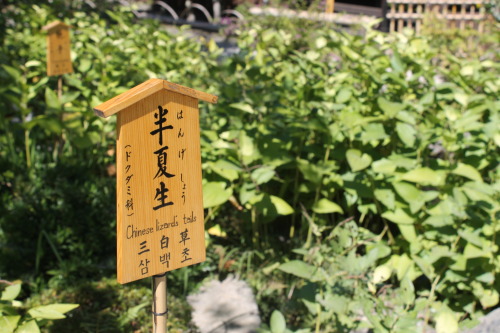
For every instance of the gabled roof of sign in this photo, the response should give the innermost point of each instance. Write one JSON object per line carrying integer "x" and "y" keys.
{"x": 143, "y": 90}
{"x": 55, "y": 25}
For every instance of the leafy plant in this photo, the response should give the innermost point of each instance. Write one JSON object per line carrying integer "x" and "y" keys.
{"x": 15, "y": 318}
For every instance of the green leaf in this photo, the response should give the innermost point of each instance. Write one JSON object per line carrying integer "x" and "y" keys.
{"x": 425, "y": 176}
{"x": 446, "y": 322}
{"x": 408, "y": 232}
{"x": 398, "y": 216}
{"x": 28, "y": 327}
{"x": 311, "y": 172}
{"x": 381, "y": 274}
{"x": 489, "y": 298}
{"x": 406, "y": 133}
{"x": 467, "y": 171}
{"x": 225, "y": 169}
{"x": 215, "y": 194}
{"x": 52, "y": 311}
{"x": 248, "y": 149}
{"x": 391, "y": 109}
{"x": 374, "y": 131}
{"x": 282, "y": 207}
{"x": 325, "y": 206}
{"x": 300, "y": 269}
{"x": 242, "y": 107}
{"x": 11, "y": 292}
{"x": 277, "y": 322}
{"x": 343, "y": 95}
{"x": 8, "y": 323}
{"x": 358, "y": 160}
{"x": 384, "y": 166}
{"x": 386, "y": 197}
{"x": 263, "y": 174}
{"x": 407, "y": 290}
{"x": 51, "y": 99}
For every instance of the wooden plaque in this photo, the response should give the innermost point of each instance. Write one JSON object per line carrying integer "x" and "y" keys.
{"x": 160, "y": 222}
{"x": 58, "y": 49}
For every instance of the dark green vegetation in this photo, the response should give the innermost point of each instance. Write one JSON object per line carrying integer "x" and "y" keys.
{"x": 352, "y": 180}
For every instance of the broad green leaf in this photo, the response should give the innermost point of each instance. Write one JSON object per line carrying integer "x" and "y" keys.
{"x": 407, "y": 290}
{"x": 311, "y": 172}
{"x": 282, "y": 207}
{"x": 263, "y": 174}
{"x": 408, "y": 232}
{"x": 300, "y": 269}
{"x": 425, "y": 176}
{"x": 242, "y": 107}
{"x": 391, "y": 109}
{"x": 358, "y": 160}
{"x": 215, "y": 194}
{"x": 28, "y": 327}
{"x": 325, "y": 206}
{"x": 439, "y": 221}
{"x": 374, "y": 131}
{"x": 467, "y": 171}
{"x": 398, "y": 216}
{"x": 226, "y": 169}
{"x": 277, "y": 323}
{"x": 411, "y": 195}
{"x": 248, "y": 149}
{"x": 406, "y": 133}
{"x": 343, "y": 95}
{"x": 381, "y": 274}
{"x": 51, "y": 99}
{"x": 386, "y": 197}
{"x": 384, "y": 166}
{"x": 446, "y": 322}
{"x": 11, "y": 292}
{"x": 8, "y": 323}
{"x": 52, "y": 311}
{"x": 489, "y": 298}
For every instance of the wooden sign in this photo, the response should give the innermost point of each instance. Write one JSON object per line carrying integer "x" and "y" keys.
{"x": 58, "y": 49}
{"x": 160, "y": 222}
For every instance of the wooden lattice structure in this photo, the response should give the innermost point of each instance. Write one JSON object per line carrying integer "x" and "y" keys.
{"x": 458, "y": 13}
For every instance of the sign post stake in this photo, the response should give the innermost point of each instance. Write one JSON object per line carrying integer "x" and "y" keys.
{"x": 160, "y": 309}
{"x": 160, "y": 217}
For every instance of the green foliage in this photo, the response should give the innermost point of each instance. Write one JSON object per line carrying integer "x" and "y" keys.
{"x": 375, "y": 156}
{"x": 16, "y": 318}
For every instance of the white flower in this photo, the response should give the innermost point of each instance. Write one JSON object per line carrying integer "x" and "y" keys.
{"x": 227, "y": 306}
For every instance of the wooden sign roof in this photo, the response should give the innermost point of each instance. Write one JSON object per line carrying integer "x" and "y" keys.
{"x": 55, "y": 25}
{"x": 144, "y": 90}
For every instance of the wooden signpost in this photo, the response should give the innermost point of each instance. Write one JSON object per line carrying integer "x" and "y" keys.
{"x": 160, "y": 222}
{"x": 58, "y": 49}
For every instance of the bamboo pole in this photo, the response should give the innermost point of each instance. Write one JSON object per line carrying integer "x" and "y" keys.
{"x": 160, "y": 310}
{"x": 59, "y": 88}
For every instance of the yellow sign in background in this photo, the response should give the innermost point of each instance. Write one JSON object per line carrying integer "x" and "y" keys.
{"x": 58, "y": 49}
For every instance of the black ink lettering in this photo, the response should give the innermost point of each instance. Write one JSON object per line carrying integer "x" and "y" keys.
{"x": 161, "y": 196}
{"x": 161, "y": 119}
{"x": 143, "y": 248}
{"x": 179, "y": 115}
{"x": 181, "y": 133}
{"x": 185, "y": 254}
{"x": 128, "y": 178}
{"x": 162, "y": 163}
{"x": 164, "y": 242}
{"x": 181, "y": 153}
{"x": 184, "y": 237}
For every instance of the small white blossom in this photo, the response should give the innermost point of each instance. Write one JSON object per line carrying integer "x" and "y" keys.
{"x": 228, "y": 306}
